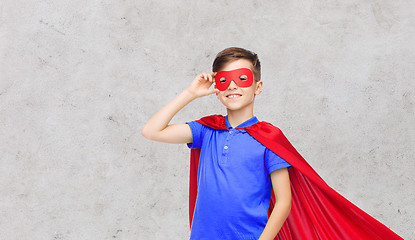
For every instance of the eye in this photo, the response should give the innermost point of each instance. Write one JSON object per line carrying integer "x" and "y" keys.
{"x": 243, "y": 77}
{"x": 222, "y": 79}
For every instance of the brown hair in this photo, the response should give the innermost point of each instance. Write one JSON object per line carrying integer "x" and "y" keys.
{"x": 234, "y": 53}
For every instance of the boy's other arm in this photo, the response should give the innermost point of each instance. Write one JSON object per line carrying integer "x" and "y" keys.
{"x": 281, "y": 184}
{"x": 158, "y": 128}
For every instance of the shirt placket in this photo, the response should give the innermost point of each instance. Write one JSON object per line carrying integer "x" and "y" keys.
{"x": 225, "y": 150}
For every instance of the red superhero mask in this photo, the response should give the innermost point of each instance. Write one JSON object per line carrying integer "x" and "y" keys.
{"x": 243, "y": 77}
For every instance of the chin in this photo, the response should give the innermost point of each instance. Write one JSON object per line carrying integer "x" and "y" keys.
{"x": 237, "y": 107}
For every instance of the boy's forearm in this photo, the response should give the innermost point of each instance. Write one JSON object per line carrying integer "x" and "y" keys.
{"x": 276, "y": 220}
{"x": 162, "y": 118}
{"x": 158, "y": 128}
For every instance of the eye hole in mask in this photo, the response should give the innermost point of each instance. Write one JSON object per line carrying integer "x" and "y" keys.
{"x": 243, "y": 77}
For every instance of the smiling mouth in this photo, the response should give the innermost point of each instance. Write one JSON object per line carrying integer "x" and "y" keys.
{"x": 233, "y": 95}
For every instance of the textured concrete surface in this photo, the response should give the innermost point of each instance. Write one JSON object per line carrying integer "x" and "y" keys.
{"x": 80, "y": 78}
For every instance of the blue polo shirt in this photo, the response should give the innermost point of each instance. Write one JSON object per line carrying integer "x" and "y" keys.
{"x": 234, "y": 185}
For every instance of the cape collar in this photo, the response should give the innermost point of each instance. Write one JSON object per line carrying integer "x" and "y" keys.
{"x": 219, "y": 122}
{"x": 247, "y": 123}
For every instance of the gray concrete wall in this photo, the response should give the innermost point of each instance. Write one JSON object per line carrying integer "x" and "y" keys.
{"x": 80, "y": 78}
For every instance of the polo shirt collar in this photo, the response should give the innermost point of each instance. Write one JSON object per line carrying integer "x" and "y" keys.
{"x": 247, "y": 123}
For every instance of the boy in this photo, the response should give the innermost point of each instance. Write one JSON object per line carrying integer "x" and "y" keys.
{"x": 241, "y": 166}
{"x": 234, "y": 189}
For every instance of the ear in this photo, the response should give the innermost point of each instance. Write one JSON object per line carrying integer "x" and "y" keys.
{"x": 258, "y": 88}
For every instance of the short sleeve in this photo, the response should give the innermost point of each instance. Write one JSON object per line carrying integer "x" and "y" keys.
{"x": 197, "y": 134}
{"x": 274, "y": 162}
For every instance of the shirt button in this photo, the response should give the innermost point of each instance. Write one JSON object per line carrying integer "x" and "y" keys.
{"x": 225, "y": 147}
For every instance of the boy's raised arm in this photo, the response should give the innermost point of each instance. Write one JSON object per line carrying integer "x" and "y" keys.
{"x": 158, "y": 128}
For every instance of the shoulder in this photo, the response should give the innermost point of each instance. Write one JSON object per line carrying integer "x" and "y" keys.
{"x": 266, "y": 127}
{"x": 210, "y": 118}
{"x": 213, "y": 121}
{"x": 267, "y": 133}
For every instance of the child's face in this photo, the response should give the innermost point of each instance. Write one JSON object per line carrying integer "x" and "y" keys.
{"x": 236, "y": 97}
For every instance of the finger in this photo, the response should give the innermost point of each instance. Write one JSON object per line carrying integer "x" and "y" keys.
{"x": 213, "y": 74}
{"x": 200, "y": 76}
{"x": 212, "y": 91}
{"x": 210, "y": 78}
{"x": 205, "y": 76}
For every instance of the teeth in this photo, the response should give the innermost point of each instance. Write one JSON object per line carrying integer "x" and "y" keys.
{"x": 233, "y": 96}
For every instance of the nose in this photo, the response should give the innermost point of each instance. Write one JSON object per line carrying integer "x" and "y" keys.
{"x": 232, "y": 85}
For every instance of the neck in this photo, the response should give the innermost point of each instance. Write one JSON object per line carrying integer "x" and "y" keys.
{"x": 239, "y": 116}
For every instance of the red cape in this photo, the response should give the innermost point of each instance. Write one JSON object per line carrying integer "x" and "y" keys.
{"x": 317, "y": 212}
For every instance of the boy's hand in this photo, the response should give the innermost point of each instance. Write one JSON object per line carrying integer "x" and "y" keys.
{"x": 201, "y": 85}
